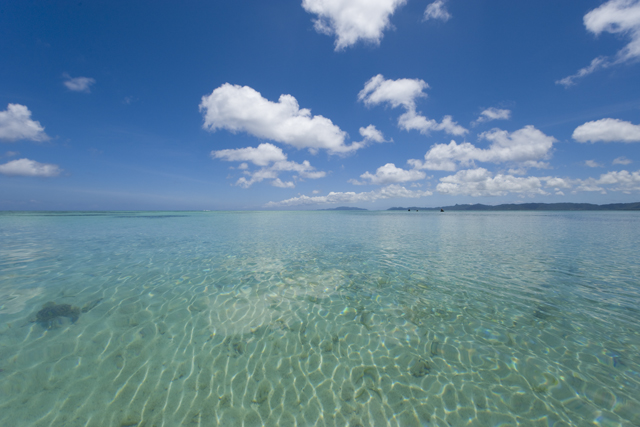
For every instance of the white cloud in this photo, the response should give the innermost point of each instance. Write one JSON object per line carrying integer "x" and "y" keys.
{"x": 279, "y": 183}
{"x": 273, "y": 162}
{"x": 390, "y": 174}
{"x": 616, "y": 17}
{"x": 493, "y": 114}
{"x": 592, "y": 164}
{"x": 437, "y": 10}
{"x": 243, "y": 109}
{"x": 525, "y": 146}
{"x": 10, "y": 154}
{"x": 370, "y": 133}
{"x": 621, "y": 181}
{"x": 262, "y": 155}
{"x": 596, "y": 63}
{"x": 404, "y": 93}
{"x": 624, "y": 181}
{"x": 607, "y": 130}
{"x": 79, "y": 84}
{"x": 480, "y": 182}
{"x": 621, "y": 161}
{"x": 414, "y": 121}
{"x": 26, "y": 167}
{"x": 16, "y": 123}
{"x": 388, "y": 192}
{"x": 352, "y": 20}
{"x": 557, "y": 183}
{"x": 401, "y": 92}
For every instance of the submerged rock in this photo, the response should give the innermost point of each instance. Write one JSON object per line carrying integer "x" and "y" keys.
{"x": 420, "y": 368}
{"x": 51, "y": 312}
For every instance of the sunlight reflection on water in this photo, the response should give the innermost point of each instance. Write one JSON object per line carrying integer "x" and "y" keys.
{"x": 321, "y": 318}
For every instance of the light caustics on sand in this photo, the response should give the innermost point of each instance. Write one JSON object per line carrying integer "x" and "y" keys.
{"x": 322, "y": 318}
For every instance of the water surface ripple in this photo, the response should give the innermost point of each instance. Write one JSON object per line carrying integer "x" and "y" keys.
{"x": 319, "y": 319}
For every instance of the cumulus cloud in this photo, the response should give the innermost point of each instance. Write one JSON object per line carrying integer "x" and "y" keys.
{"x": 79, "y": 84}
{"x": 607, "y": 130}
{"x": 404, "y": 93}
{"x": 352, "y": 20}
{"x": 370, "y": 133}
{"x": 526, "y": 146}
{"x": 16, "y": 123}
{"x": 273, "y": 162}
{"x": 243, "y": 109}
{"x": 557, "y": 183}
{"x": 621, "y": 161}
{"x": 388, "y": 192}
{"x": 616, "y": 17}
{"x": 624, "y": 181}
{"x": 493, "y": 114}
{"x": 592, "y": 164}
{"x": 480, "y": 182}
{"x": 26, "y": 167}
{"x": 437, "y": 10}
{"x": 401, "y": 92}
{"x": 390, "y": 174}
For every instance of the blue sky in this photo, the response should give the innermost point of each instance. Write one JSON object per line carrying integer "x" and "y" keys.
{"x": 317, "y": 103}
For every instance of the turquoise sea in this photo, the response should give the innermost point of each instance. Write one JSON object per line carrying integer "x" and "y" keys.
{"x": 319, "y": 319}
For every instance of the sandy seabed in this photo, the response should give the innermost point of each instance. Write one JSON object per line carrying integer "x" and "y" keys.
{"x": 285, "y": 350}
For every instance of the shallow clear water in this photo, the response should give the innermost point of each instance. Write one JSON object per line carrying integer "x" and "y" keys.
{"x": 320, "y": 318}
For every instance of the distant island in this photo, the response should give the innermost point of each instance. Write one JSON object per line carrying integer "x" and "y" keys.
{"x": 531, "y": 207}
{"x": 343, "y": 208}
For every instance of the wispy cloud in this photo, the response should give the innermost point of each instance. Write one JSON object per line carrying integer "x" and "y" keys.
{"x": 388, "y": 192}
{"x": 437, "y": 11}
{"x": 78, "y": 84}
{"x": 491, "y": 114}
{"x": 621, "y": 161}
{"x": 620, "y": 17}
{"x": 26, "y": 167}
